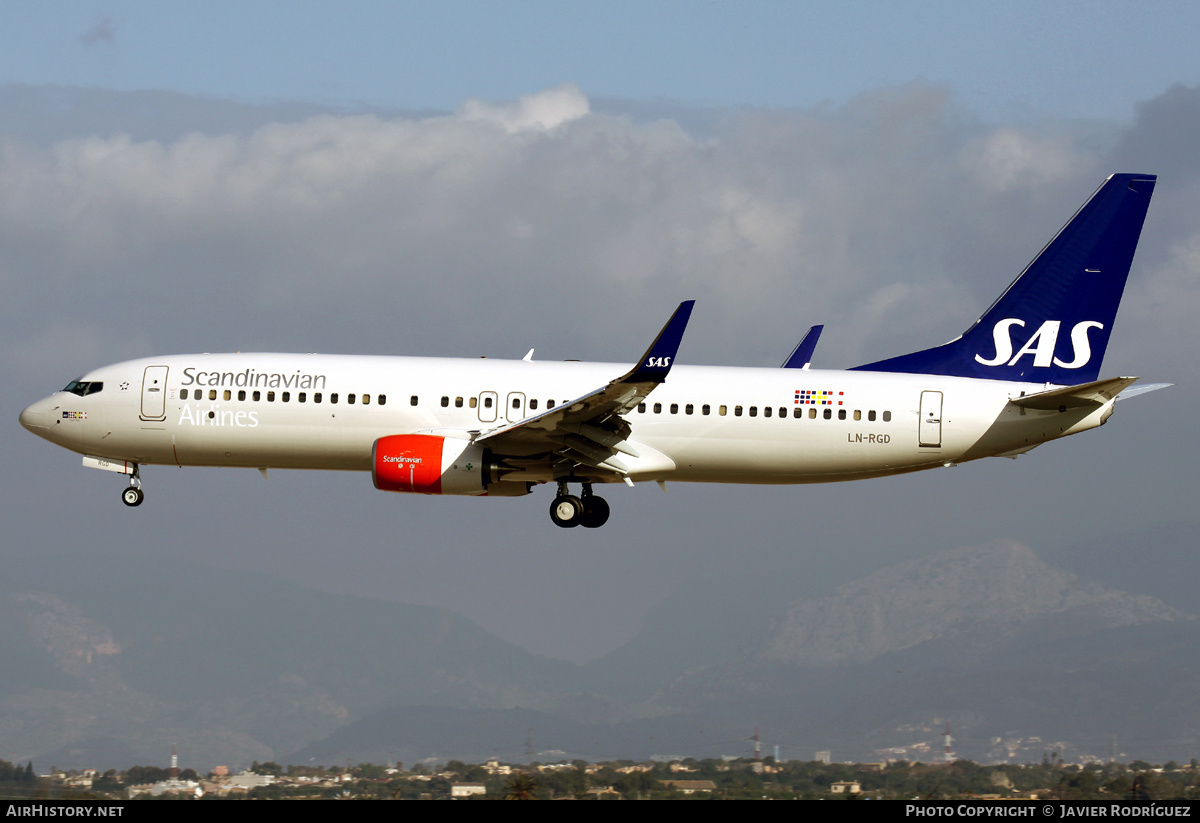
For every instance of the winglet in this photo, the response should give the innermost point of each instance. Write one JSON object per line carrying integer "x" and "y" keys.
{"x": 656, "y": 362}
{"x": 801, "y": 356}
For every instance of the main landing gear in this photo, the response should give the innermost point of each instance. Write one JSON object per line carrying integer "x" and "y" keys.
{"x": 133, "y": 495}
{"x": 568, "y": 511}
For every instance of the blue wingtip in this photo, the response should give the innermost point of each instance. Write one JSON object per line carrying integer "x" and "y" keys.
{"x": 802, "y": 355}
{"x": 658, "y": 359}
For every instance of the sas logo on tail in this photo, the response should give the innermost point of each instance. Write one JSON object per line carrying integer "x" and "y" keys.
{"x": 658, "y": 362}
{"x": 1041, "y": 345}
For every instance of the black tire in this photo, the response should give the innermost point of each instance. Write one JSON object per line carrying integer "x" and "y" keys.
{"x": 132, "y": 496}
{"x": 566, "y": 511}
{"x": 595, "y": 512}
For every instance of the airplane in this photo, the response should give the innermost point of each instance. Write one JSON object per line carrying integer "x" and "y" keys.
{"x": 1026, "y": 372}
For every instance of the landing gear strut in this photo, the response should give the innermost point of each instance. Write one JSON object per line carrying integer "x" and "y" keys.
{"x": 568, "y": 511}
{"x": 133, "y": 495}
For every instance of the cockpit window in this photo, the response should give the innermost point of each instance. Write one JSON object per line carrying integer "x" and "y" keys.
{"x": 82, "y": 388}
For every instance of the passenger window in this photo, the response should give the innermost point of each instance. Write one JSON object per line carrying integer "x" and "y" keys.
{"x": 473, "y": 402}
{"x": 871, "y": 415}
{"x": 722, "y": 410}
{"x": 302, "y": 396}
{"x": 487, "y": 402}
{"x": 516, "y": 402}
{"x": 350, "y": 398}
{"x": 754, "y": 411}
{"x": 549, "y": 404}
{"x": 828, "y": 414}
{"x": 412, "y": 401}
{"x": 257, "y": 395}
{"x": 287, "y": 395}
{"x": 212, "y": 394}
{"x": 705, "y": 409}
{"x": 857, "y": 414}
{"x": 333, "y": 397}
{"x": 183, "y": 394}
{"x": 688, "y": 409}
{"x": 445, "y": 402}
{"x": 383, "y": 400}
{"x": 458, "y": 402}
{"x": 812, "y": 413}
{"x": 783, "y": 411}
{"x": 737, "y": 411}
{"x": 674, "y": 408}
{"x": 841, "y": 414}
{"x": 316, "y": 397}
{"x": 533, "y": 405}
{"x": 228, "y": 394}
{"x": 658, "y": 408}
{"x": 766, "y": 411}
{"x": 270, "y": 397}
{"x": 641, "y": 408}
{"x": 797, "y": 413}
{"x": 242, "y": 394}
{"x": 366, "y": 399}
{"x": 887, "y": 417}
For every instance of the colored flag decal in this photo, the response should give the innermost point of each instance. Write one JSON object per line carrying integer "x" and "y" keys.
{"x": 74, "y": 415}
{"x": 813, "y": 397}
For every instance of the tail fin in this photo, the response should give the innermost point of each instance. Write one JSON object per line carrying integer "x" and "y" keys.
{"x": 1053, "y": 323}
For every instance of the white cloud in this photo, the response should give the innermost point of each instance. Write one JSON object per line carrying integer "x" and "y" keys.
{"x": 1008, "y": 157}
{"x": 893, "y": 219}
{"x": 542, "y": 111}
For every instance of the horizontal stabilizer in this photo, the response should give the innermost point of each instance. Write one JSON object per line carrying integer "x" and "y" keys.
{"x": 1143, "y": 389}
{"x": 1075, "y": 397}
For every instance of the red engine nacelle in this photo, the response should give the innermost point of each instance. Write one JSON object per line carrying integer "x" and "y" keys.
{"x": 428, "y": 464}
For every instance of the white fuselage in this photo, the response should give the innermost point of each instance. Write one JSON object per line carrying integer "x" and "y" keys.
{"x": 704, "y": 424}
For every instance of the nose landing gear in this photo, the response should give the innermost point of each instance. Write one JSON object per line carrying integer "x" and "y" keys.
{"x": 133, "y": 495}
{"x": 587, "y": 510}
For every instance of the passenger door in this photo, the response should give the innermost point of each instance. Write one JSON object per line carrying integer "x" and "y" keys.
{"x": 154, "y": 393}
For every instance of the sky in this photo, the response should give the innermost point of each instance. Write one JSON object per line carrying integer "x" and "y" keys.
{"x": 472, "y": 178}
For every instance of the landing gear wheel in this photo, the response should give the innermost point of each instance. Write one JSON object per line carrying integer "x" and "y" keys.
{"x": 566, "y": 511}
{"x": 132, "y": 496}
{"x": 595, "y": 512}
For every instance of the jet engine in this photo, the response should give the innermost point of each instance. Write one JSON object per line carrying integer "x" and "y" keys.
{"x": 430, "y": 464}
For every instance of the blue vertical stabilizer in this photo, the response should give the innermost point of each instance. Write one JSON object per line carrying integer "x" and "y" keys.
{"x": 1053, "y": 323}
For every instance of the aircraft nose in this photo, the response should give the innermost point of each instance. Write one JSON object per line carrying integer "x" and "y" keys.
{"x": 36, "y": 417}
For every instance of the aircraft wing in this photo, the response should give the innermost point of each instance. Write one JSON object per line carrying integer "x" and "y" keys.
{"x": 590, "y": 429}
{"x": 1075, "y": 397}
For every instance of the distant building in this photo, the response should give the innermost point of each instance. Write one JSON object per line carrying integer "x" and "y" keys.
{"x": 461, "y": 790}
{"x": 250, "y": 780}
{"x": 174, "y": 784}
{"x": 691, "y": 786}
{"x": 845, "y": 787}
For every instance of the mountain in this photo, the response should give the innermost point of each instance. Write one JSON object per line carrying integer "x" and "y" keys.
{"x": 110, "y": 662}
{"x": 232, "y": 668}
